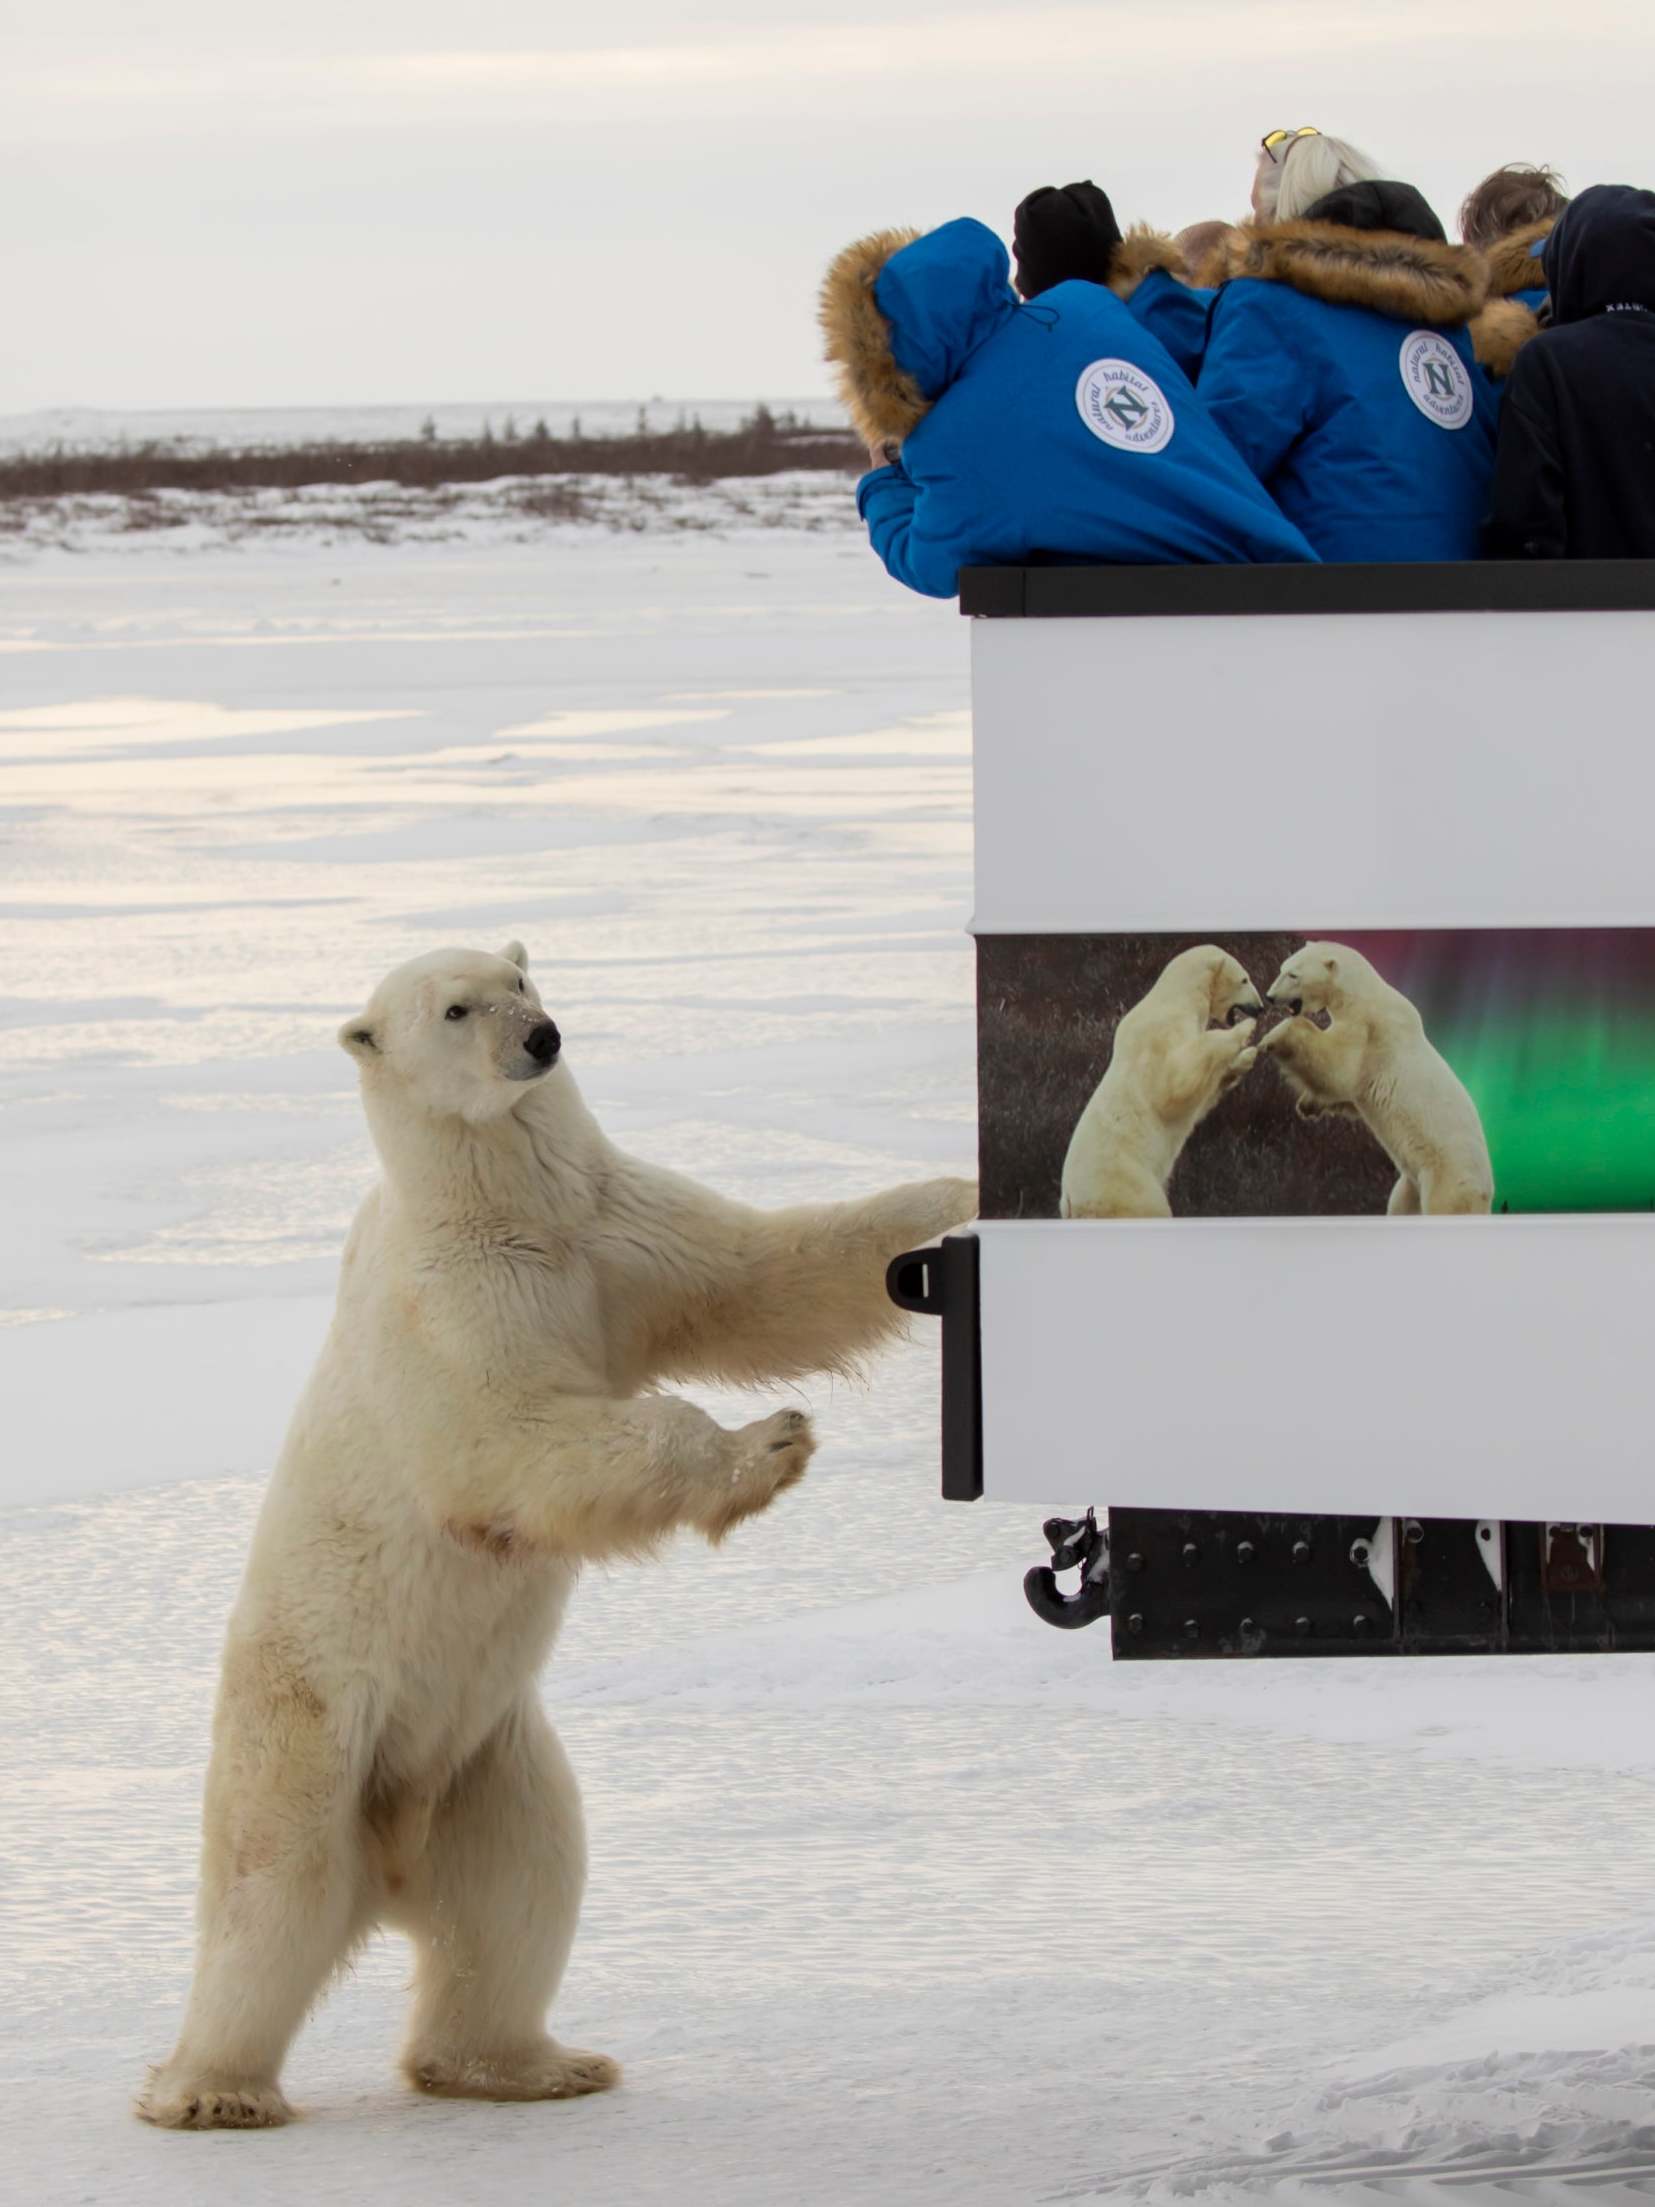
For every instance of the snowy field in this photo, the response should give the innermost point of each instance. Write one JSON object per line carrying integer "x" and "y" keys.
{"x": 898, "y": 1896}
{"x": 509, "y": 509}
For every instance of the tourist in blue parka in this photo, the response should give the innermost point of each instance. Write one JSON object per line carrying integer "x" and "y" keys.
{"x": 1060, "y": 233}
{"x": 1340, "y": 364}
{"x": 1006, "y": 432}
{"x": 1508, "y": 218}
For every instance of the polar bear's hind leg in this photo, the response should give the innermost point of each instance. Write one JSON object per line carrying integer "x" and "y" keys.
{"x": 282, "y": 1903}
{"x": 492, "y": 1911}
{"x": 1405, "y": 1202}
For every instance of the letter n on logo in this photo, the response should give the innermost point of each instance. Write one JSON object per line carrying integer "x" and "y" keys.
{"x": 1126, "y": 406}
{"x": 1438, "y": 380}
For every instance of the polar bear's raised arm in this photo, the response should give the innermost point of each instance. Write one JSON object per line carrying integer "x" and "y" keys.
{"x": 721, "y": 1291}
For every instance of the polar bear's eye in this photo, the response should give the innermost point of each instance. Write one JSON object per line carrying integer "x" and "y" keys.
{"x": 455, "y": 1011}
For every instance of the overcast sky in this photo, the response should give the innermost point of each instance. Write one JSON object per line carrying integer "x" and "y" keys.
{"x": 213, "y": 203}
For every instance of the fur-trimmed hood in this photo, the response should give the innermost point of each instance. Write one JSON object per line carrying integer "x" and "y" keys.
{"x": 1139, "y": 254}
{"x": 903, "y": 311}
{"x": 1513, "y": 264}
{"x": 1499, "y": 331}
{"x": 1211, "y": 264}
{"x": 881, "y": 400}
{"x": 1413, "y": 279}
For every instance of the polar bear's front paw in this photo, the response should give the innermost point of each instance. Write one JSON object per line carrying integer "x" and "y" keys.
{"x": 767, "y": 1457}
{"x": 544, "y": 2072}
{"x": 177, "y": 2103}
{"x": 1242, "y": 1065}
{"x": 941, "y": 1204}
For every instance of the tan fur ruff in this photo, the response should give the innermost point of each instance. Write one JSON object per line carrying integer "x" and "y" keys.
{"x": 1139, "y": 254}
{"x": 1212, "y": 266}
{"x": 1511, "y": 265}
{"x": 1499, "y": 332}
{"x": 884, "y": 403}
{"x": 1412, "y": 279}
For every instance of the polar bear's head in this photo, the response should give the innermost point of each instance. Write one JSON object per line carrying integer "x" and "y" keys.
{"x": 1218, "y": 986}
{"x": 1318, "y": 977}
{"x": 461, "y": 1030}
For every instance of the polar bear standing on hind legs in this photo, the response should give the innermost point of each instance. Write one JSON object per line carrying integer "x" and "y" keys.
{"x": 482, "y": 1419}
{"x": 1375, "y": 1061}
{"x": 1169, "y": 1066}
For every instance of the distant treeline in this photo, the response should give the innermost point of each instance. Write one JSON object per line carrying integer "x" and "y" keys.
{"x": 764, "y": 444}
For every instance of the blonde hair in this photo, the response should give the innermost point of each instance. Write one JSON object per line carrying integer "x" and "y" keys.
{"x": 1305, "y": 170}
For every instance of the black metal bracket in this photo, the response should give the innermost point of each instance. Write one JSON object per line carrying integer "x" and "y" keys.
{"x": 941, "y": 1281}
{"x": 1226, "y": 1584}
{"x": 1077, "y": 1543}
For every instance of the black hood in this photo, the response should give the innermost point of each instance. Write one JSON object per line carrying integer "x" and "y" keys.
{"x": 1601, "y": 253}
{"x": 1378, "y": 206}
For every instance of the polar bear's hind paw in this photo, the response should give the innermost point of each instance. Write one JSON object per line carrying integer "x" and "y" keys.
{"x": 549, "y": 2072}
{"x": 213, "y": 2107}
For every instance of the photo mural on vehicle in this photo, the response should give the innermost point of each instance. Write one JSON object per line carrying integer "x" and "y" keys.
{"x": 1328, "y": 1071}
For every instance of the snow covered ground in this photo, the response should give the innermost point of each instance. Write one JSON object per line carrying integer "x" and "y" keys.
{"x": 510, "y": 509}
{"x": 897, "y": 1895}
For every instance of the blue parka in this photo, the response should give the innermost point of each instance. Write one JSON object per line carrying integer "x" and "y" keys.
{"x": 1340, "y": 366}
{"x": 1060, "y": 428}
{"x": 1148, "y": 277}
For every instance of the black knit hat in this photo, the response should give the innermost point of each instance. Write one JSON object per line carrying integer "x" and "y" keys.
{"x": 1057, "y": 235}
{"x": 1379, "y": 206}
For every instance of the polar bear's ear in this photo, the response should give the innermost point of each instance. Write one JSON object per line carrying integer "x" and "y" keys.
{"x": 515, "y": 955}
{"x": 357, "y": 1037}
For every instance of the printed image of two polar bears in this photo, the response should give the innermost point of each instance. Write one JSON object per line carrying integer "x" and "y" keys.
{"x": 1196, "y": 1034}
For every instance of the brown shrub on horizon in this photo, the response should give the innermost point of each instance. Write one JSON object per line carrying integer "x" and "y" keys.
{"x": 688, "y": 452}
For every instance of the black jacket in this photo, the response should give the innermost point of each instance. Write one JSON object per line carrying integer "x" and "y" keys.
{"x": 1575, "y": 473}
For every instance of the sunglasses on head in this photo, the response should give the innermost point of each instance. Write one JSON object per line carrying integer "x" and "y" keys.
{"x": 1274, "y": 139}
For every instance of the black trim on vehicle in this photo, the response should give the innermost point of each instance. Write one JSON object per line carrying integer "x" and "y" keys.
{"x": 942, "y": 1282}
{"x": 1468, "y": 586}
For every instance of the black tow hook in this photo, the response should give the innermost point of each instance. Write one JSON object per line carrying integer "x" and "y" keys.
{"x": 1076, "y": 1542}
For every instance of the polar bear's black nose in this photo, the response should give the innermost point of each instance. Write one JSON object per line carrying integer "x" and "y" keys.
{"x": 543, "y": 1042}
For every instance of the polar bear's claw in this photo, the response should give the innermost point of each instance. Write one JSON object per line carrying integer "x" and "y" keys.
{"x": 214, "y": 2107}
{"x": 551, "y": 2072}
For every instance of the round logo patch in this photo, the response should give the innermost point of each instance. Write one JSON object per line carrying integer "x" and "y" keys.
{"x": 1124, "y": 407}
{"x": 1435, "y": 378}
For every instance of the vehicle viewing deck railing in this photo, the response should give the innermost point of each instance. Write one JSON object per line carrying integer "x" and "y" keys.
{"x": 1062, "y": 592}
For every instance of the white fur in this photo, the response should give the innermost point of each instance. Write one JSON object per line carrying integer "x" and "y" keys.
{"x": 1376, "y": 1061}
{"x": 1169, "y": 1066}
{"x": 481, "y": 1419}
